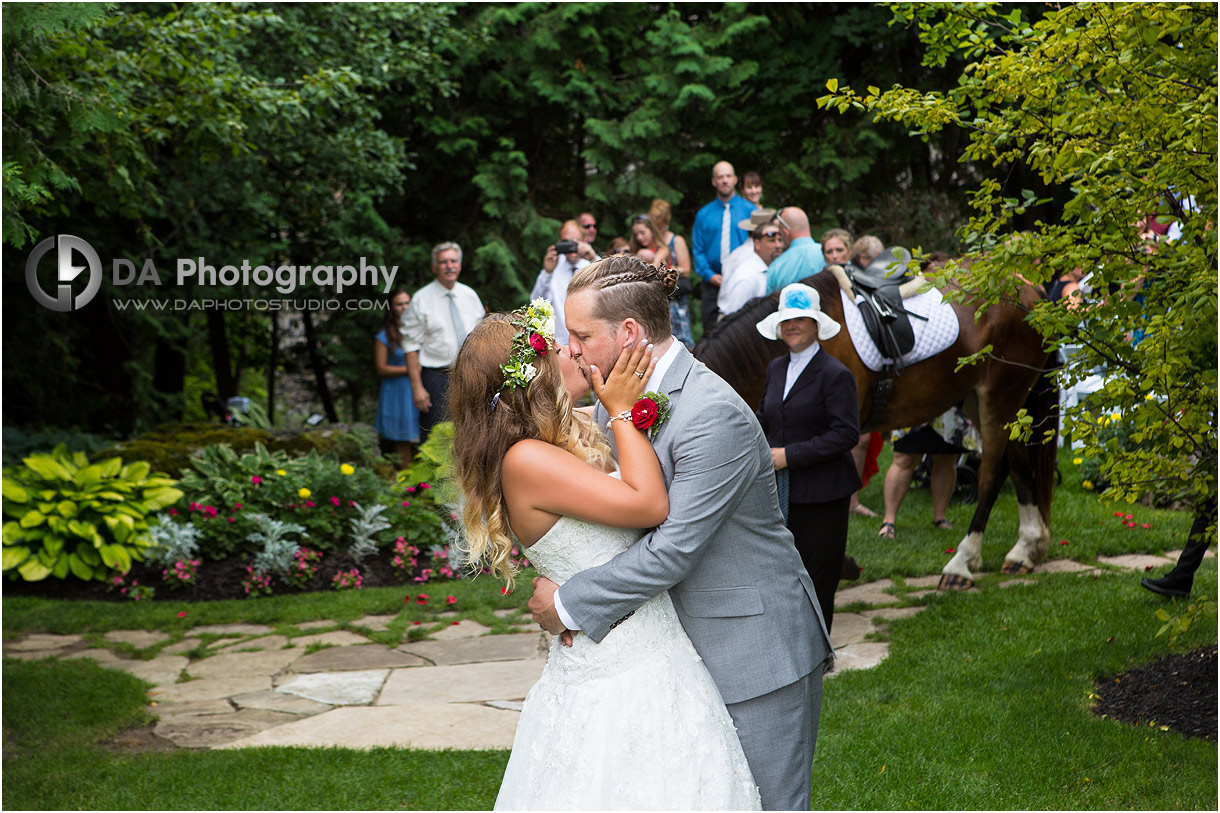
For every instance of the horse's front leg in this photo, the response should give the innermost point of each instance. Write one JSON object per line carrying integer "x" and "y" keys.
{"x": 960, "y": 572}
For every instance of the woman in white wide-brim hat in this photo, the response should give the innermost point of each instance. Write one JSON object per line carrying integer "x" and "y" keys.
{"x": 812, "y": 420}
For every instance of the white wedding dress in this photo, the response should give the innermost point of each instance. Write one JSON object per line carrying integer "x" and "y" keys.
{"x": 632, "y": 723}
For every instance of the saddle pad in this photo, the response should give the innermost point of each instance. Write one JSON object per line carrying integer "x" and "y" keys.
{"x": 931, "y": 337}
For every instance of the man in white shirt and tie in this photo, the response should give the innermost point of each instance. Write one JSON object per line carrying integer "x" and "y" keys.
{"x": 715, "y": 235}
{"x": 748, "y": 279}
{"x": 433, "y": 329}
{"x": 557, "y": 270}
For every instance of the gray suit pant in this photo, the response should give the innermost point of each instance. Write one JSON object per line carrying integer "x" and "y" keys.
{"x": 778, "y": 732}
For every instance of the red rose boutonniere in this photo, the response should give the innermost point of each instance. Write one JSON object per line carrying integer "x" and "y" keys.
{"x": 650, "y": 411}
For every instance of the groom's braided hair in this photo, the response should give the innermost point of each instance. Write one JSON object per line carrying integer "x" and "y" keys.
{"x": 629, "y": 287}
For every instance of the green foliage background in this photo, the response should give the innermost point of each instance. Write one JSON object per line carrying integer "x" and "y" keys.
{"x": 303, "y": 134}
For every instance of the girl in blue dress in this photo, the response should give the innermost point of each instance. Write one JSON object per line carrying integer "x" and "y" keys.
{"x": 397, "y": 415}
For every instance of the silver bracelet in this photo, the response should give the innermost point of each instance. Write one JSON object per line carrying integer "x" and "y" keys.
{"x": 625, "y": 415}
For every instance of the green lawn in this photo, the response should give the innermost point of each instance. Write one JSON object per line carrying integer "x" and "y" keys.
{"x": 983, "y": 702}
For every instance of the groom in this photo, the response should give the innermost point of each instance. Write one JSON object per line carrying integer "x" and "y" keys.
{"x": 724, "y": 554}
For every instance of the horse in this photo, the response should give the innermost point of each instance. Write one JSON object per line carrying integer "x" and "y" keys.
{"x": 1017, "y": 372}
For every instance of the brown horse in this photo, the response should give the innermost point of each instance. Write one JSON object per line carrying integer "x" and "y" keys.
{"x": 1016, "y": 373}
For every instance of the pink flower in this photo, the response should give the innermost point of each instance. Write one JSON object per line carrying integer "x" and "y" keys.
{"x": 351, "y": 503}
{"x": 425, "y": 486}
{"x": 422, "y": 598}
{"x": 211, "y": 511}
{"x": 182, "y": 614}
{"x": 237, "y": 506}
{"x": 1146, "y": 525}
{"x": 173, "y": 512}
{"x": 256, "y": 479}
{"x": 231, "y": 519}
{"x": 310, "y": 504}
{"x": 405, "y": 505}
{"x": 411, "y": 490}
{"x": 451, "y": 600}
{"x": 335, "y": 501}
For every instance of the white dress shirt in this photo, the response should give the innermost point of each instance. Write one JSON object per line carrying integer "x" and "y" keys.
{"x": 749, "y": 279}
{"x": 797, "y": 362}
{"x": 654, "y": 385}
{"x": 553, "y": 287}
{"x": 735, "y": 257}
{"x": 427, "y": 324}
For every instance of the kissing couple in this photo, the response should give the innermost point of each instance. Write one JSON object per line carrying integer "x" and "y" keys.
{"x": 686, "y": 672}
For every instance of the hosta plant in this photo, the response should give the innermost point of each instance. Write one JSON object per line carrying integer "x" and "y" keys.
{"x": 63, "y": 515}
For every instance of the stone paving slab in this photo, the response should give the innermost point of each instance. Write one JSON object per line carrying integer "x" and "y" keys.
{"x": 922, "y": 581}
{"x": 197, "y": 708}
{"x": 337, "y": 688}
{"x": 891, "y": 613}
{"x": 137, "y": 638}
{"x": 462, "y": 629}
{"x": 37, "y": 655}
{"x": 104, "y": 657}
{"x": 864, "y": 655}
{"x": 315, "y": 625}
{"x": 412, "y": 725}
{"x": 210, "y": 689}
{"x": 236, "y": 664}
{"x": 333, "y": 638}
{"x": 481, "y": 650}
{"x": 1210, "y": 553}
{"x": 160, "y": 671}
{"x": 232, "y": 629}
{"x": 1018, "y": 582}
{"x": 869, "y": 593}
{"x": 1135, "y": 561}
{"x": 275, "y": 701}
{"x": 41, "y": 641}
{"x": 378, "y": 623}
{"x": 266, "y": 643}
{"x": 1064, "y": 566}
{"x": 210, "y": 731}
{"x": 849, "y": 628}
{"x": 367, "y": 656}
{"x": 185, "y": 645}
{"x": 466, "y": 683}
{"x": 506, "y": 612}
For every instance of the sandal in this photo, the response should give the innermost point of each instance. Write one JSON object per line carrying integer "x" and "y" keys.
{"x": 887, "y": 530}
{"x": 942, "y": 524}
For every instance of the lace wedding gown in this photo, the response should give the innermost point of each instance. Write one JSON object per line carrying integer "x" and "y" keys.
{"x": 632, "y": 723}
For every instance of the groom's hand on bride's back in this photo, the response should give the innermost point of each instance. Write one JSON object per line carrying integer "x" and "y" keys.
{"x": 542, "y": 605}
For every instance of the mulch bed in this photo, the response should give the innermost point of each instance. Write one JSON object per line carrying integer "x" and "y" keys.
{"x": 1178, "y": 691}
{"x": 214, "y": 581}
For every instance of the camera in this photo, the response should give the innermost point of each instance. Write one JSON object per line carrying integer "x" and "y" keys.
{"x": 566, "y": 247}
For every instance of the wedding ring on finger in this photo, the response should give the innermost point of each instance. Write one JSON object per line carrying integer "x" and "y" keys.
{"x": 639, "y": 375}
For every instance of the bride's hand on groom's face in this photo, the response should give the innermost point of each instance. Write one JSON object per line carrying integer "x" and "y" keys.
{"x": 628, "y": 380}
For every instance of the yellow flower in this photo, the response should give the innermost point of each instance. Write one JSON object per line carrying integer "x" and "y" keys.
{"x": 304, "y": 493}
{"x": 1087, "y": 485}
{"x": 281, "y": 472}
{"x": 1149, "y": 397}
{"x": 1076, "y": 461}
{"x": 347, "y": 469}
{"x": 1116, "y": 417}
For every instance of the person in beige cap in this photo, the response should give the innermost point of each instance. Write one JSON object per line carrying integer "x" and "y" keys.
{"x": 748, "y": 278}
{"x": 811, "y": 419}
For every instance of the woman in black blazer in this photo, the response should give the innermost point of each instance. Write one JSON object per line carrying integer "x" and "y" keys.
{"x": 810, "y": 416}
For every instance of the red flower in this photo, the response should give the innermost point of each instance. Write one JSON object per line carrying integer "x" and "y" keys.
{"x": 1063, "y": 541}
{"x": 950, "y": 550}
{"x": 538, "y": 342}
{"x": 504, "y": 591}
{"x": 1119, "y": 514}
{"x": 1146, "y": 525}
{"x": 644, "y": 413}
{"x": 417, "y": 623}
{"x": 406, "y": 599}
{"x": 182, "y": 614}
{"x": 451, "y": 600}
{"x": 422, "y": 598}
{"x": 1148, "y": 567}
{"x": 455, "y": 623}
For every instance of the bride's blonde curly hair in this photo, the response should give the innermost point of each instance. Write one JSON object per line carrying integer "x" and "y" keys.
{"x": 487, "y": 426}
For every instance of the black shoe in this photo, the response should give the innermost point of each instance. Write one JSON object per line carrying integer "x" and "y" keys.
{"x": 851, "y": 571}
{"x": 1170, "y": 585}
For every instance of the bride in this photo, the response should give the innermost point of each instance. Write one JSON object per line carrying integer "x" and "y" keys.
{"x": 634, "y": 722}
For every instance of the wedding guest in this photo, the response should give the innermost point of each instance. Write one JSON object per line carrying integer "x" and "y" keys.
{"x": 558, "y": 268}
{"x": 397, "y": 416}
{"x": 679, "y": 256}
{"x": 811, "y": 419}
{"x": 647, "y": 242}
{"x": 715, "y": 235}
{"x": 836, "y": 246}
{"x": 619, "y": 245}
{"x": 946, "y": 439}
{"x": 751, "y": 187}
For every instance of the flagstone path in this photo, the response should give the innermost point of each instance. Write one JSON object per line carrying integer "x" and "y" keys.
{"x": 460, "y": 688}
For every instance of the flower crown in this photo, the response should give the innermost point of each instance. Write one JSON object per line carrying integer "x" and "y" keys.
{"x": 533, "y": 340}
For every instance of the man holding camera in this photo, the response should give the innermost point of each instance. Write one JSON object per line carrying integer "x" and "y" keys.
{"x": 568, "y": 255}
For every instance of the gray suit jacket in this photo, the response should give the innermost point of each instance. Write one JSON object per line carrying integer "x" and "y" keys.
{"x": 724, "y": 554}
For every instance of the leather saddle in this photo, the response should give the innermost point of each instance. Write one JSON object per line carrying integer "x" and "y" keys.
{"x": 879, "y": 289}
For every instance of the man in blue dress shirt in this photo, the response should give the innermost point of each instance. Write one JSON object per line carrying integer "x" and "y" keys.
{"x": 715, "y": 235}
{"x": 803, "y": 257}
